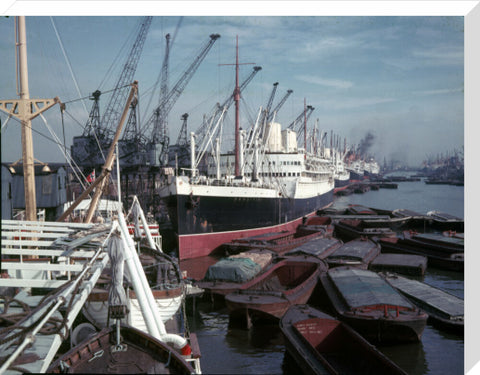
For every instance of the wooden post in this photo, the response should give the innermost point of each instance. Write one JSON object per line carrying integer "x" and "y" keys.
{"x": 26, "y": 109}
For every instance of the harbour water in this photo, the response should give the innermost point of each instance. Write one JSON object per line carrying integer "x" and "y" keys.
{"x": 261, "y": 350}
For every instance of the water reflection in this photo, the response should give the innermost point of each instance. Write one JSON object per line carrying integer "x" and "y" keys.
{"x": 409, "y": 357}
{"x": 267, "y": 338}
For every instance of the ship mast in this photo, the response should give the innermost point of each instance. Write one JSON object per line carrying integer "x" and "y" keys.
{"x": 305, "y": 126}
{"x": 236, "y": 95}
{"x": 26, "y": 109}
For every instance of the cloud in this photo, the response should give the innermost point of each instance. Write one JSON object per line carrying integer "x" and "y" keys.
{"x": 440, "y": 56}
{"x": 335, "y": 83}
{"x": 351, "y": 103}
{"x": 439, "y": 91}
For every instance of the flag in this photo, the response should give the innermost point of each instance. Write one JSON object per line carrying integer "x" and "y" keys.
{"x": 91, "y": 177}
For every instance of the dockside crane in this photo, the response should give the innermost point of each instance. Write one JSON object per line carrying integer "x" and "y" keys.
{"x": 133, "y": 138}
{"x": 158, "y": 146}
{"x": 113, "y": 110}
{"x": 99, "y": 134}
{"x": 182, "y": 135}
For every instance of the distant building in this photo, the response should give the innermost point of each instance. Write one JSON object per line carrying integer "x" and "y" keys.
{"x": 50, "y": 189}
{"x": 7, "y": 205}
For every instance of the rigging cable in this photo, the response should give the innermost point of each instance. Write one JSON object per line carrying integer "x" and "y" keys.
{"x": 5, "y": 124}
{"x": 67, "y": 157}
{"x": 68, "y": 62}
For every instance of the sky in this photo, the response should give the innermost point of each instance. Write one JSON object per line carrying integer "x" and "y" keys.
{"x": 399, "y": 78}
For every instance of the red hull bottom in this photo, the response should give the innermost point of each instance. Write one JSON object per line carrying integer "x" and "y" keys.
{"x": 200, "y": 245}
{"x": 335, "y": 190}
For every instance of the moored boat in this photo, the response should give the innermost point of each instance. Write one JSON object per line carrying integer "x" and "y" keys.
{"x": 229, "y": 274}
{"x": 356, "y": 170}
{"x": 267, "y": 297}
{"x": 315, "y": 224}
{"x": 444, "y": 310}
{"x": 348, "y": 229}
{"x": 341, "y": 175}
{"x": 435, "y": 241}
{"x": 167, "y": 287}
{"x": 266, "y": 184}
{"x": 445, "y": 221}
{"x": 447, "y": 261}
{"x": 414, "y": 218}
{"x": 357, "y": 253}
{"x": 280, "y": 242}
{"x": 321, "y": 344}
{"x": 357, "y": 209}
{"x": 127, "y": 351}
{"x": 372, "y": 307}
{"x": 407, "y": 264}
{"x": 441, "y": 251}
{"x": 319, "y": 247}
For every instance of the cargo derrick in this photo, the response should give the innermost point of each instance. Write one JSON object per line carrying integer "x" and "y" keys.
{"x": 208, "y": 130}
{"x": 179, "y": 153}
{"x": 268, "y": 114}
{"x": 299, "y": 129}
{"x": 265, "y": 113}
{"x": 88, "y": 150}
{"x": 157, "y": 148}
{"x": 278, "y": 106}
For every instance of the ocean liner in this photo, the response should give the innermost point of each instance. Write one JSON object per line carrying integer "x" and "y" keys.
{"x": 267, "y": 184}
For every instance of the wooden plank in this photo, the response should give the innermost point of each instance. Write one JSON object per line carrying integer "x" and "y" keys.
{"x": 26, "y": 243}
{"x": 43, "y": 266}
{"x": 48, "y": 252}
{"x": 20, "y": 234}
{"x": 40, "y": 224}
{"x": 31, "y": 283}
{"x": 7, "y": 227}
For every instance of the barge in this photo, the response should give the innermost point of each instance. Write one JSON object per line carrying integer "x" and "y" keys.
{"x": 372, "y": 307}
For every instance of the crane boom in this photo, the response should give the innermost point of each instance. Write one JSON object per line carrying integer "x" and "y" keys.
{"x": 201, "y": 132}
{"x": 113, "y": 110}
{"x": 161, "y": 116}
{"x": 171, "y": 98}
{"x": 278, "y": 106}
{"x": 270, "y": 100}
{"x": 308, "y": 109}
{"x": 182, "y": 135}
{"x": 307, "y": 113}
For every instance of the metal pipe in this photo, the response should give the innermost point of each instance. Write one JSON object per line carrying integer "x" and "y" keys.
{"x": 141, "y": 286}
{"x": 217, "y": 150}
{"x": 192, "y": 153}
{"x": 145, "y": 224}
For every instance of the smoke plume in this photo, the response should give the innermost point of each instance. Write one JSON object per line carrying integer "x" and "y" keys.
{"x": 365, "y": 144}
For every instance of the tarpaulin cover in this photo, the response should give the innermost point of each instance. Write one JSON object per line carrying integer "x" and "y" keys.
{"x": 262, "y": 257}
{"x": 365, "y": 288}
{"x": 237, "y": 270}
{"x": 315, "y": 247}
